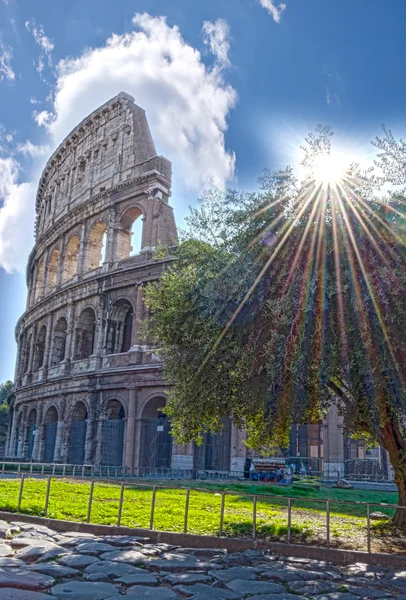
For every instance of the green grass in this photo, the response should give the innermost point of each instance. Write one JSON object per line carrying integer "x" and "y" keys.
{"x": 69, "y": 500}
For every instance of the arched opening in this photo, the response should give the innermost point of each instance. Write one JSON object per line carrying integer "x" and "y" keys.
{"x": 40, "y": 348}
{"x": 85, "y": 334}
{"x": 113, "y": 435}
{"x": 59, "y": 342}
{"x": 70, "y": 263}
{"x": 214, "y": 454}
{"x": 27, "y": 351}
{"x": 119, "y": 327}
{"x": 30, "y": 433}
{"x": 156, "y": 440}
{"x": 77, "y": 437}
{"x": 40, "y": 280}
{"x": 129, "y": 233}
{"x": 50, "y": 429}
{"x": 96, "y": 246}
{"x": 52, "y": 273}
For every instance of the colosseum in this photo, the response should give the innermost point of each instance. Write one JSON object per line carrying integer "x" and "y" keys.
{"x": 88, "y": 389}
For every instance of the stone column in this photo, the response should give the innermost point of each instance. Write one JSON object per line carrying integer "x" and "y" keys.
{"x": 97, "y": 458}
{"x": 12, "y": 436}
{"x": 44, "y": 282}
{"x": 59, "y": 274}
{"x": 82, "y": 249}
{"x": 238, "y": 449}
{"x": 111, "y": 236}
{"x": 48, "y": 341}
{"x": 32, "y": 349}
{"x": 89, "y": 442}
{"x": 333, "y": 444}
{"x": 138, "y": 316}
{"x": 98, "y": 340}
{"x": 130, "y": 445}
{"x": 22, "y": 433}
{"x": 58, "y": 442}
{"x": 39, "y": 430}
{"x": 69, "y": 331}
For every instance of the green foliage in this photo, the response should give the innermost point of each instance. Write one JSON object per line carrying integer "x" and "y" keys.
{"x": 5, "y": 390}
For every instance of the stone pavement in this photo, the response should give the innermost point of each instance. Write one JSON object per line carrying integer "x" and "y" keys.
{"x": 37, "y": 563}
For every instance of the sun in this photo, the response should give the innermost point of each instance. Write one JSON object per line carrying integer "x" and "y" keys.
{"x": 329, "y": 169}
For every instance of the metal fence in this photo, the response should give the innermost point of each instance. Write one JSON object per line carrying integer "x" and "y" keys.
{"x": 325, "y": 505}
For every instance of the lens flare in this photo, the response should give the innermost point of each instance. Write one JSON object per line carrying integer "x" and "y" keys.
{"x": 330, "y": 169}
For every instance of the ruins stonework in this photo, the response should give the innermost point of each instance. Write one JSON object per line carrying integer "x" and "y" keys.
{"x": 88, "y": 388}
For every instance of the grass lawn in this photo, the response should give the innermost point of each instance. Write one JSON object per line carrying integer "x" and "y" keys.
{"x": 69, "y": 500}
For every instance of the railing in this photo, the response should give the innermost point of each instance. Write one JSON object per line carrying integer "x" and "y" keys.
{"x": 324, "y": 505}
{"x": 91, "y": 471}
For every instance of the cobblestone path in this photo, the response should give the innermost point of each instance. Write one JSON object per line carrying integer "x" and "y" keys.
{"x": 37, "y": 563}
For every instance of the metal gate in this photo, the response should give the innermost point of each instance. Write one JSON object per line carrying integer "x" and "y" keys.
{"x": 77, "y": 442}
{"x": 157, "y": 436}
{"x": 214, "y": 454}
{"x": 112, "y": 443}
{"x": 31, "y": 438}
{"x": 50, "y": 439}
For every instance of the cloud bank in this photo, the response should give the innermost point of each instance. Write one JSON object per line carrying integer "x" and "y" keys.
{"x": 273, "y": 10}
{"x": 187, "y": 102}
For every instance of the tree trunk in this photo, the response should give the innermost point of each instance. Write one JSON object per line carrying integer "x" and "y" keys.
{"x": 392, "y": 439}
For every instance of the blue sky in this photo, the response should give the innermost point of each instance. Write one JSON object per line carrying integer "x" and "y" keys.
{"x": 247, "y": 80}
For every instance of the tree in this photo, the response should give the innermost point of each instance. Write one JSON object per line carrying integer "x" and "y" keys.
{"x": 5, "y": 390}
{"x": 279, "y": 303}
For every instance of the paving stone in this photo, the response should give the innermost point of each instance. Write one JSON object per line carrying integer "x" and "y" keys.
{"x": 398, "y": 580}
{"x": 123, "y": 540}
{"x": 281, "y": 575}
{"x": 187, "y": 578}
{"x": 132, "y": 557}
{"x": 362, "y": 592}
{"x": 338, "y": 596}
{"x": 202, "y": 552}
{"x": 139, "y": 592}
{"x": 54, "y": 570}
{"x": 26, "y": 580}
{"x": 112, "y": 569}
{"x": 138, "y": 578}
{"x": 285, "y": 596}
{"x": 40, "y": 549}
{"x": 100, "y": 576}
{"x": 243, "y": 587}
{"x": 13, "y": 594}
{"x": 10, "y": 562}
{"x": 77, "y": 561}
{"x": 179, "y": 562}
{"x": 70, "y": 542}
{"x": 310, "y": 588}
{"x": 94, "y": 548}
{"x": 5, "y": 550}
{"x": 79, "y": 590}
{"x": 247, "y": 573}
{"x": 201, "y": 591}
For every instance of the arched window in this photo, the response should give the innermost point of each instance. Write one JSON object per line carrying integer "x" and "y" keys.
{"x": 30, "y": 432}
{"x": 40, "y": 348}
{"x": 40, "y": 280}
{"x": 129, "y": 233}
{"x": 119, "y": 327}
{"x": 214, "y": 454}
{"x": 85, "y": 334}
{"x": 96, "y": 246}
{"x": 59, "y": 342}
{"x": 52, "y": 271}
{"x": 50, "y": 429}
{"x": 77, "y": 438}
{"x": 70, "y": 263}
{"x": 156, "y": 440}
{"x": 113, "y": 435}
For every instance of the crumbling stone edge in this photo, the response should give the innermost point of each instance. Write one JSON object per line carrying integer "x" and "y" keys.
{"x": 205, "y": 541}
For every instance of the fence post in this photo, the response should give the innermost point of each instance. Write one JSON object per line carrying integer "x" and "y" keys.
{"x": 186, "y": 511}
{"x": 2, "y": 470}
{"x": 47, "y": 496}
{"x": 64, "y": 470}
{"x": 151, "y": 520}
{"x": 369, "y": 528}
{"x": 42, "y": 470}
{"x": 289, "y": 520}
{"x": 254, "y": 518}
{"x": 120, "y": 506}
{"x": 31, "y": 469}
{"x": 328, "y": 523}
{"x": 89, "y": 507}
{"x": 223, "y": 497}
{"x": 83, "y": 470}
{"x": 20, "y": 495}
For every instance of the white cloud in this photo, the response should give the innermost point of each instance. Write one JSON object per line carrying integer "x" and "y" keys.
{"x": 43, "y": 42}
{"x": 217, "y": 37}
{"x": 16, "y": 217}
{"x": 187, "y": 103}
{"x": 42, "y": 118}
{"x": 6, "y": 54}
{"x": 274, "y": 11}
{"x": 30, "y": 149}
